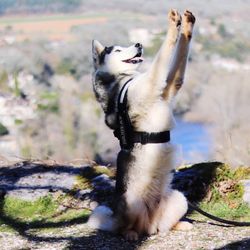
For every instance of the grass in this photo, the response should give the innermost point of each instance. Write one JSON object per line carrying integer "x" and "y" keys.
{"x": 224, "y": 198}
{"x": 83, "y": 180}
{"x": 238, "y": 211}
{"x": 28, "y": 211}
{"x": 3, "y": 130}
{"x": 43, "y": 213}
{"x": 48, "y": 101}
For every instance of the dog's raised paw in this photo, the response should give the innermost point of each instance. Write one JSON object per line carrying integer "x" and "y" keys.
{"x": 174, "y": 17}
{"x": 188, "y": 15}
{"x": 188, "y": 23}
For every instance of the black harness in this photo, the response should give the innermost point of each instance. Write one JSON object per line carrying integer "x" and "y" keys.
{"x": 125, "y": 131}
{"x": 127, "y": 137}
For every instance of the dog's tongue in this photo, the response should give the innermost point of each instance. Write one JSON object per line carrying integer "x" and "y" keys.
{"x": 136, "y": 59}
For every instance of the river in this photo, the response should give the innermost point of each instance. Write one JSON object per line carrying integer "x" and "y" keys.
{"x": 193, "y": 141}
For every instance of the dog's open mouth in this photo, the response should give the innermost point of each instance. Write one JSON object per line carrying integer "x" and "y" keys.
{"x": 136, "y": 59}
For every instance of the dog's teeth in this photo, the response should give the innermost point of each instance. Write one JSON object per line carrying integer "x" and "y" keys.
{"x": 134, "y": 60}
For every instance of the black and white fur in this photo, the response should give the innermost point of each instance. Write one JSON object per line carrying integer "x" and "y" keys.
{"x": 146, "y": 202}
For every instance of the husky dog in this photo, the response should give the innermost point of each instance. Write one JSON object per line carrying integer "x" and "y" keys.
{"x": 146, "y": 202}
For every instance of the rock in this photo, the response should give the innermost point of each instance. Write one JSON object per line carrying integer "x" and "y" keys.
{"x": 102, "y": 167}
{"x": 30, "y": 181}
{"x": 61, "y": 209}
{"x": 246, "y": 196}
{"x": 2, "y": 193}
{"x": 103, "y": 187}
{"x": 194, "y": 181}
{"x": 81, "y": 194}
{"x": 93, "y": 205}
{"x": 100, "y": 178}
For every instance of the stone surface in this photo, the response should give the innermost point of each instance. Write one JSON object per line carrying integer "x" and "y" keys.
{"x": 246, "y": 196}
{"x": 194, "y": 181}
{"x": 30, "y": 181}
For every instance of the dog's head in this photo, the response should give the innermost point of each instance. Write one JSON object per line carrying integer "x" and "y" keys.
{"x": 116, "y": 59}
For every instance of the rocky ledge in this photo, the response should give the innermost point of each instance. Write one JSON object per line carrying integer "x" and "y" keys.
{"x": 95, "y": 184}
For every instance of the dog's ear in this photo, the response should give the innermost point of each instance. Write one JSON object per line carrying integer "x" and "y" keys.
{"x": 97, "y": 49}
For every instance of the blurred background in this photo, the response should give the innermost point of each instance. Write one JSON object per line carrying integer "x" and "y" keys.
{"x": 47, "y": 106}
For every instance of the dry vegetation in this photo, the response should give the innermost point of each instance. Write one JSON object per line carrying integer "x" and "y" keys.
{"x": 225, "y": 105}
{"x": 52, "y": 115}
{"x": 54, "y": 49}
{"x": 47, "y": 27}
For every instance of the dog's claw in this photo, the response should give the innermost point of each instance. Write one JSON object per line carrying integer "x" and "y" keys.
{"x": 190, "y": 18}
{"x": 131, "y": 235}
{"x": 188, "y": 23}
{"x": 174, "y": 17}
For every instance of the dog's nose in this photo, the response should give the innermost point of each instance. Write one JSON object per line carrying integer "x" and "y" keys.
{"x": 138, "y": 45}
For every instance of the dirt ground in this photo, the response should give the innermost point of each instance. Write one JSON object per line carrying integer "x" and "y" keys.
{"x": 202, "y": 236}
{"x": 74, "y": 234}
{"x": 51, "y": 28}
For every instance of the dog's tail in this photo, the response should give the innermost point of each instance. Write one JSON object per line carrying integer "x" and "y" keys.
{"x": 102, "y": 218}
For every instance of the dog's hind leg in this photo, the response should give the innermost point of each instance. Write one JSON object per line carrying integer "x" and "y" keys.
{"x": 176, "y": 74}
{"x": 172, "y": 208}
{"x": 160, "y": 66}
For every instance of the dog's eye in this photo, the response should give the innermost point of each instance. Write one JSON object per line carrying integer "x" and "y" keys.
{"x": 117, "y": 50}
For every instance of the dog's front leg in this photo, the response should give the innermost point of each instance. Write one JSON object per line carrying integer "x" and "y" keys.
{"x": 160, "y": 66}
{"x": 175, "y": 77}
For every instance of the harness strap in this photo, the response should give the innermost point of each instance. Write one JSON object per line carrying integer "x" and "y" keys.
{"x": 144, "y": 137}
{"x": 125, "y": 131}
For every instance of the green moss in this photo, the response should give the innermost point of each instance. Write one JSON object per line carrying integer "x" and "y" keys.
{"x": 236, "y": 48}
{"x": 72, "y": 214}
{"x": 53, "y": 96}
{"x": 82, "y": 183}
{"x": 26, "y": 151}
{"x": 223, "y": 173}
{"x": 28, "y": 211}
{"x": 101, "y": 170}
{"x": 65, "y": 67}
{"x": 226, "y": 185}
{"x": 224, "y": 198}
{"x": 48, "y": 101}
{"x": 237, "y": 210}
{"x": 43, "y": 213}
{"x": 17, "y": 90}
{"x": 18, "y": 122}
{"x": 4, "y": 81}
{"x": 242, "y": 173}
{"x": 3, "y": 130}
{"x": 86, "y": 96}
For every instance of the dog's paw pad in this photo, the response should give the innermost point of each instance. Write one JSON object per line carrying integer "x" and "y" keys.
{"x": 189, "y": 17}
{"x": 188, "y": 23}
{"x": 174, "y": 17}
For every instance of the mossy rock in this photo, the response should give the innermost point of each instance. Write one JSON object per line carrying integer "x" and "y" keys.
{"x": 212, "y": 180}
{"x": 194, "y": 181}
{"x": 217, "y": 187}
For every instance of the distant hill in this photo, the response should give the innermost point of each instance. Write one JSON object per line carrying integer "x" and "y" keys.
{"x": 38, "y": 6}
{"x": 157, "y": 7}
